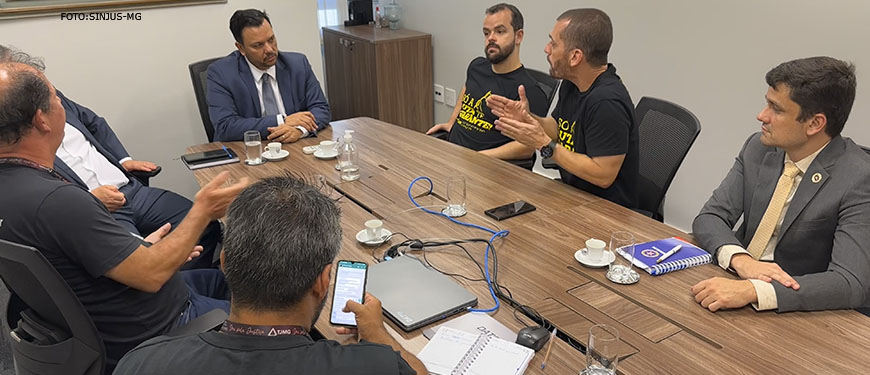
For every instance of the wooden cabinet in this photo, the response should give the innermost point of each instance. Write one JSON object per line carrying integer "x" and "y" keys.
{"x": 379, "y": 73}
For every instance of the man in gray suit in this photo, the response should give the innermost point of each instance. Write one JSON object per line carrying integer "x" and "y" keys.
{"x": 804, "y": 194}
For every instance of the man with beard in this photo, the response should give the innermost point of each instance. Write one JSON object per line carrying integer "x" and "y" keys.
{"x": 279, "y": 281}
{"x": 500, "y": 73}
{"x": 592, "y": 134}
{"x": 260, "y": 88}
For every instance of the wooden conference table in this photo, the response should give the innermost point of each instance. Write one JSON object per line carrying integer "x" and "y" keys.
{"x": 662, "y": 329}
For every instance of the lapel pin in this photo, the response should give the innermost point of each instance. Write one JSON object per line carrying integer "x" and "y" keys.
{"x": 817, "y": 177}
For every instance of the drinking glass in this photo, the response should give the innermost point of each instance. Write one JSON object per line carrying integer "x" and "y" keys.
{"x": 253, "y": 148}
{"x": 455, "y": 197}
{"x": 602, "y": 350}
{"x": 622, "y": 271}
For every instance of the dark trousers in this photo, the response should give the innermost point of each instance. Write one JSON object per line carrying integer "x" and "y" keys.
{"x": 208, "y": 291}
{"x": 148, "y": 208}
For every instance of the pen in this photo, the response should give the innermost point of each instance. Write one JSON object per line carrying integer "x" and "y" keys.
{"x": 669, "y": 253}
{"x": 549, "y": 346}
{"x": 229, "y": 155}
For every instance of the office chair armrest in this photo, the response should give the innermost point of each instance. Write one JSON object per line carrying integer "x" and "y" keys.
{"x": 441, "y": 134}
{"x": 549, "y": 163}
{"x": 143, "y": 176}
{"x": 203, "y": 323}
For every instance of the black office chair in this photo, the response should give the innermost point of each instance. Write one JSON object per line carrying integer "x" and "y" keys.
{"x": 550, "y": 86}
{"x": 547, "y": 83}
{"x": 666, "y": 132}
{"x": 198, "y": 71}
{"x": 50, "y": 331}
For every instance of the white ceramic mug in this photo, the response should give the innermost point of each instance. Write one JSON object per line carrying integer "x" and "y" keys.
{"x": 327, "y": 146}
{"x": 373, "y": 230}
{"x": 594, "y": 249}
{"x": 274, "y": 149}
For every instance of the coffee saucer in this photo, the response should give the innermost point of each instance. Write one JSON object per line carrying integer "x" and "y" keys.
{"x": 281, "y": 155}
{"x": 606, "y": 258}
{"x": 385, "y": 235}
{"x": 325, "y": 155}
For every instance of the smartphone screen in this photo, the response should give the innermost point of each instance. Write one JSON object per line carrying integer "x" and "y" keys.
{"x": 350, "y": 283}
{"x": 510, "y": 210}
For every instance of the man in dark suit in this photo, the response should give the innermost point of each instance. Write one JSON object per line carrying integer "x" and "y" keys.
{"x": 804, "y": 194}
{"x": 260, "y": 88}
{"x": 92, "y": 156}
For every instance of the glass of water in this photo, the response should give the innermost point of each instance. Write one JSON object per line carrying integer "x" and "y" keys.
{"x": 253, "y": 148}
{"x": 622, "y": 271}
{"x": 602, "y": 351}
{"x": 455, "y": 197}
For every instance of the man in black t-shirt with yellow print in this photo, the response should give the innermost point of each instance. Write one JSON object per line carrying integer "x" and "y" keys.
{"x": 500, "y": 73}
{"x": 592, "y": 134}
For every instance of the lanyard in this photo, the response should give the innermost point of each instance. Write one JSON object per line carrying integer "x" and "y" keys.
{"x": 34, "y": 165}
{"x": 249, "y": 330}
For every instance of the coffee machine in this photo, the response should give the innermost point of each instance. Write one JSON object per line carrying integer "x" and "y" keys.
{"x": 359, "y": 12}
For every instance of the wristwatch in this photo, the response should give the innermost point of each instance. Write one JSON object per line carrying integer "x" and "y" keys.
{"x": 547, "y": 151}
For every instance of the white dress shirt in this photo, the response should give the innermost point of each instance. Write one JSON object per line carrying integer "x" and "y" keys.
{"x": 764, "y": 290}
{"x": 89, "y": 164}
{"x": 258, "y": 81}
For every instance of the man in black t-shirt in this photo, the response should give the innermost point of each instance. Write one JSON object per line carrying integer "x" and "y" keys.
{"x": 500, "y": 73}
{"x": 592, "y": 134}
{"x": 131, "y": 288}
{"x": 280, "y": 282}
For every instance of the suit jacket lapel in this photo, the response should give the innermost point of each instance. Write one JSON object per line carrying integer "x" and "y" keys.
{"x": 67, "y": 172}
{"x": 768, "y": 176}
{"x": 74, "y": 121}
{"x": 248, "y": 80}
{"x": 808, "y": 188}
{"x": 282, "y": 73}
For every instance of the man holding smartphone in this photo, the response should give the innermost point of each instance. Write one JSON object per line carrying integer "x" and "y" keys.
{"x": 279, "y": 281}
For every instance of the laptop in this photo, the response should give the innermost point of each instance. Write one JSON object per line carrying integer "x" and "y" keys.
{"x": 414, "y": 295}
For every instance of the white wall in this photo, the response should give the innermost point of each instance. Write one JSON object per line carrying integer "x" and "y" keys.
{"x": 708, "y": 56}
{"x": 134, "y": 73}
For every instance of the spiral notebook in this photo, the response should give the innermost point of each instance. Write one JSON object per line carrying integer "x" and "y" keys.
{"x": 455, "y": 352}
{"x": 646, "y": 254}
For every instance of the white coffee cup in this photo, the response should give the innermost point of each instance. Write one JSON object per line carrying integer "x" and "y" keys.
{"x": 595, "y": 249}
{"x": 373, "y": 230}
{"x": 327, "y": 146}
{"x": 274, "y": 149}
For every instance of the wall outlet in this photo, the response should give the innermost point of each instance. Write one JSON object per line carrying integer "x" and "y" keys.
{"x": 439, "y": 93}
{"x": 450, "y": 97}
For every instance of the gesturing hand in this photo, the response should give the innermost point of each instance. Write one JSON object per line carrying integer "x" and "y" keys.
{"x": 509, "y": 108}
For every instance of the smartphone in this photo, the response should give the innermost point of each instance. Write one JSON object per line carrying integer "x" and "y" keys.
{"x": 350, "y": 283}
{"x": 510, "y": 210}
{"x": 203, "y": 157}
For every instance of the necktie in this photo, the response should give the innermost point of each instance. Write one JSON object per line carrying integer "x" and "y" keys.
{"x": 270, "y": 105}
{"x": 774, "y": 211}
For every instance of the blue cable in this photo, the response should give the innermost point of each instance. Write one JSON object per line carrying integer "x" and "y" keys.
{"x": 495, "y": 234}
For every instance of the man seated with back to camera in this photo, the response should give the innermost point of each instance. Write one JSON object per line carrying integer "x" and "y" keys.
{"x": 500, "y": 73}
{"x": 131, "y": 288}
{"x": 279, "y": 279}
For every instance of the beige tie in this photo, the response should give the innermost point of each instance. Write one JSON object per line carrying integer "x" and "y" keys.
{"x": 774, "y": 211}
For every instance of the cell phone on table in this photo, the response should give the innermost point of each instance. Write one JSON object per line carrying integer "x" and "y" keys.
{"x": 350, "y": 284}
{"x": 510, "y": 210}
{"x": 207, "y": 156}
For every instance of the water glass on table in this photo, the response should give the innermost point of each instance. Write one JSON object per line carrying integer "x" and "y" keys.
{"x": 455, "y": 197}
{"x": 602, "y": 350}
{"x": 621, "y": 271}
{"x": 253, "y": 148}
